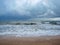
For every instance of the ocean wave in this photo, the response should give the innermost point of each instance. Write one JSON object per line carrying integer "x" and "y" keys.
{"x": 30, "y": 30}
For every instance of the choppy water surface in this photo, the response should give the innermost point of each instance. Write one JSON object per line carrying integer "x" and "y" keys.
{"x": 30, "y": 30}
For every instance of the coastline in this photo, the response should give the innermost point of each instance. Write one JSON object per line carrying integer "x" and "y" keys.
{"x": 42, "y": 40}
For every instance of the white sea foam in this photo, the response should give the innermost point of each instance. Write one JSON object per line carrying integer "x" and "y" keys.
{"x": 30, "y": 30}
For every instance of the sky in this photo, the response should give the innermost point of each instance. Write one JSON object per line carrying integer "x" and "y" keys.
{"x": 29, "y": 9}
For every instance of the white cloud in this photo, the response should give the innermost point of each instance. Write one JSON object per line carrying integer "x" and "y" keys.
{"x": 21, "y": 6}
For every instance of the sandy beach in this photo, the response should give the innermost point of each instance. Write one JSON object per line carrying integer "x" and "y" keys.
{"x": 43, "y": 40}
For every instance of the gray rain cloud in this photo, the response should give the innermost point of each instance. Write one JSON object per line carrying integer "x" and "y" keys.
{"x": 31, "y": 8}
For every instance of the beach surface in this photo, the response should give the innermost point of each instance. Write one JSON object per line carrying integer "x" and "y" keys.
{"x": 42, "y": 40}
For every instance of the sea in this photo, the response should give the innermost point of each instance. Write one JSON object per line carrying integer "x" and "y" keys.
{"x": 30, "y": 30}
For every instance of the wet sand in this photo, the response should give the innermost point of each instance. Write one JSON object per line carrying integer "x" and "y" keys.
{"x": 43, "y": 40}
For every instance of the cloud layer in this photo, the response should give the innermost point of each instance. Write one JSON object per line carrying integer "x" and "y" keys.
{"x": 33, "y": 8}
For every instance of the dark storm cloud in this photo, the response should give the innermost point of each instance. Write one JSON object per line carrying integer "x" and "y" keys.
{"x": 30, "y": 8}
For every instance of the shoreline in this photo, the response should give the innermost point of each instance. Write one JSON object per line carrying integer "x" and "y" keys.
{"x": 42, "y": 40}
